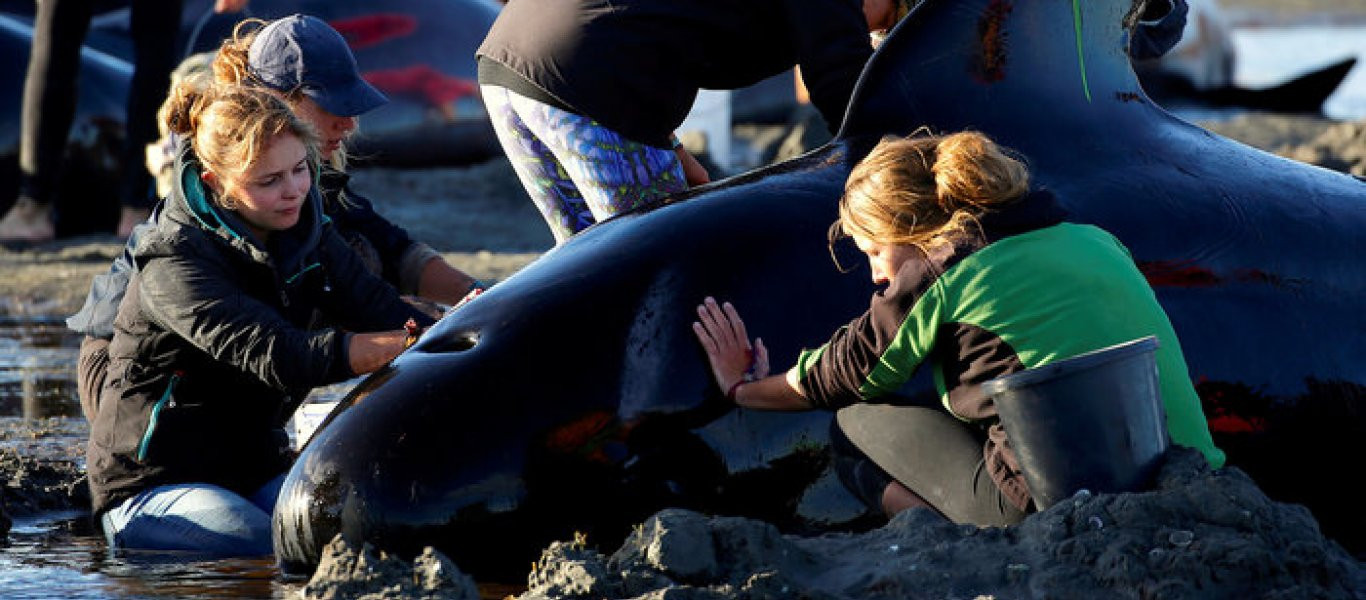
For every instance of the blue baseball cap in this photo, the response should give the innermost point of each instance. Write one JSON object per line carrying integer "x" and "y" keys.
{"x": 305, "y": 53}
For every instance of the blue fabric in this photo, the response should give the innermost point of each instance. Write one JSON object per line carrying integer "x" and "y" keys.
{"x": 196, "y": 517}
{"x": 575, "y": 170}
{"x": 96, "y": 317}
{"x": 1154, "y": 38}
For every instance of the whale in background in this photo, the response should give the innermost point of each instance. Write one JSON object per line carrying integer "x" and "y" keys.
{"x": 573, "y": 396}
{"x": 1199, "y": 71}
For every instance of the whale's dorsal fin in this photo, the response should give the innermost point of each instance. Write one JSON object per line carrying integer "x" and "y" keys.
{"x": 992, "y": 65}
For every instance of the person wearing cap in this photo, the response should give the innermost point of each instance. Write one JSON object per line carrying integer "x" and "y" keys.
{"x": 984, "y": 277}
{"x": 308, "y": 64}
{"x": 216, "y": 342}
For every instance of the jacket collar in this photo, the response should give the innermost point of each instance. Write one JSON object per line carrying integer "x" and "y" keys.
{"x": 1035, "y": 210}
{"x": 190, "y": 204}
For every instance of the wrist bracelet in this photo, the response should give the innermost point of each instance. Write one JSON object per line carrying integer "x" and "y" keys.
{"x": 730, "y": 393}
{"x": 413, "y": 332}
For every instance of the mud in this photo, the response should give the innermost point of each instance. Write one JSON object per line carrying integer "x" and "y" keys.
{"x": 349, "y": 573}
{"x": 1198, "y": 534}
{"x": 41, "y": 468}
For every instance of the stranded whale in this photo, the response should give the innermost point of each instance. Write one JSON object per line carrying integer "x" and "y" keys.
{"x": 573, "y": 396}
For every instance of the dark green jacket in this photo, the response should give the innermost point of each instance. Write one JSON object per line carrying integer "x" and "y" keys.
{"x": 1030, "y": 291}
{"x": 214, "y": 348}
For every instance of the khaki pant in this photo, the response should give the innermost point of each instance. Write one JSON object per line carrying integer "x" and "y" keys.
{"x": 91, "y": 367}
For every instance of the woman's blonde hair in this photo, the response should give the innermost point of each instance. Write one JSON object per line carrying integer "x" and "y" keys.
{"x": 228, "y": 126}
{"x": 231, "y": 66}
{"x": 925, "y": 189}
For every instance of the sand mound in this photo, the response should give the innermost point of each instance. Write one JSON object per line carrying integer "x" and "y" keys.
{"x": 1200, "y": 534}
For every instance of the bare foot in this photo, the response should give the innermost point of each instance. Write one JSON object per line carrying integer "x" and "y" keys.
{"x": 27, "y": 222}
{"x": 129, "y": 218}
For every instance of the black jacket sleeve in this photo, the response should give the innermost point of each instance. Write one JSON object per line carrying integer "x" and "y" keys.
{"x": 353, "y": 212}
{"x": 193, "y": 293}
{"x": 360, "y": 301}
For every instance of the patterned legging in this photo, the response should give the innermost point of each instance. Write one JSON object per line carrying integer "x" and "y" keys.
{"x": 575, "y": 170}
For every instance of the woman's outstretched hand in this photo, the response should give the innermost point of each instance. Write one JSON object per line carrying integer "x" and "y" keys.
{"x": 722, "y": 333}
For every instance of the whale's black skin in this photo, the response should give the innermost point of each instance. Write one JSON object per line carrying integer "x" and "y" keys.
{"x": 94, "y": 144}
{"x": 573, "y": 396}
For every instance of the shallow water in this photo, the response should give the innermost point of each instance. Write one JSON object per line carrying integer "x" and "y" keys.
{"x": 37, "y": 369}
{"x": 56, "y": 555}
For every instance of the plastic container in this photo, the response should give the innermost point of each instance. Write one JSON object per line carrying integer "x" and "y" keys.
{"x": 1093, "y": 421}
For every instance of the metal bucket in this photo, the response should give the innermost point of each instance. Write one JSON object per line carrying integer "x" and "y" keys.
{"x": 1093, "y": 421}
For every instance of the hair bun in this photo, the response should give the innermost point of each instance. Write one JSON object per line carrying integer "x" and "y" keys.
{"x": 970, "y": 169}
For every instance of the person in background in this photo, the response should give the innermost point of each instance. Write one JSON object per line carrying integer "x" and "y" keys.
{"x": 586, "y": 108}
{"x": 49, "y": 105}
{"x": 307, "y": 63}
{"x": 215, "y": 343}
{"x": 985, "y": 277}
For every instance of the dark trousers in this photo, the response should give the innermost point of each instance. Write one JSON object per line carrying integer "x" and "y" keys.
{"x": 50, "y": 89}
{"x": 950, "y": 473}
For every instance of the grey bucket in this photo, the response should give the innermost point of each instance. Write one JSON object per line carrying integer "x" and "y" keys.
{"x": 1093, "y": 421}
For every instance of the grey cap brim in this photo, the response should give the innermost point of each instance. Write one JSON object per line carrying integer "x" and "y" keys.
{"x": 356, "y": 98}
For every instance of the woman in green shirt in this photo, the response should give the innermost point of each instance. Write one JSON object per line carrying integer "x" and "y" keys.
{"x": 985, "y": 277}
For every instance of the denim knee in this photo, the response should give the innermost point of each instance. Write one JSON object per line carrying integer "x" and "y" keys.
{"x": 196, "y": 517}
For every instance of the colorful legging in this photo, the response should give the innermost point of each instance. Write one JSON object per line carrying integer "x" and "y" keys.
{"x": 575, "y": 170}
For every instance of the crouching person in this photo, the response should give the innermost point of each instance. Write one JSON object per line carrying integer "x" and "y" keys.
{"x": 213, "y": 348}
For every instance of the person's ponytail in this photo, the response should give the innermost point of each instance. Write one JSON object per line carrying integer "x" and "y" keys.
{"x": 230, "y": 65}
{"x": 973, "y": 174}
{"x": 181, "y": 112}
{"x": 924, "y": 188}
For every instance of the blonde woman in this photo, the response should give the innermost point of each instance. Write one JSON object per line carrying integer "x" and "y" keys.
{"x": 985, "y": 277}
{"x": 305, "y": 62}
{"x": 215, "y": 343}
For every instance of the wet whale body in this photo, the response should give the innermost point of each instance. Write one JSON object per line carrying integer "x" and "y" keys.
{"x": 573, "y": 397}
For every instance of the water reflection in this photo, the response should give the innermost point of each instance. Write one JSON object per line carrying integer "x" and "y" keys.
{"x": 37, "y": 368}
{"x": 58, "y": 555}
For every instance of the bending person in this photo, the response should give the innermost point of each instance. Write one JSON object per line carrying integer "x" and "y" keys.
{"x": 307, "y": 63}
{"x": 586, "y": 108}
{"x": 213, "y": 347}
{"x": 984, "y": 278}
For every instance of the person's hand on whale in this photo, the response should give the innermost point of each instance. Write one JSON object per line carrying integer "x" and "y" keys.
{"x": 734, "y": 360}
{"x": 740, "y": 367}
